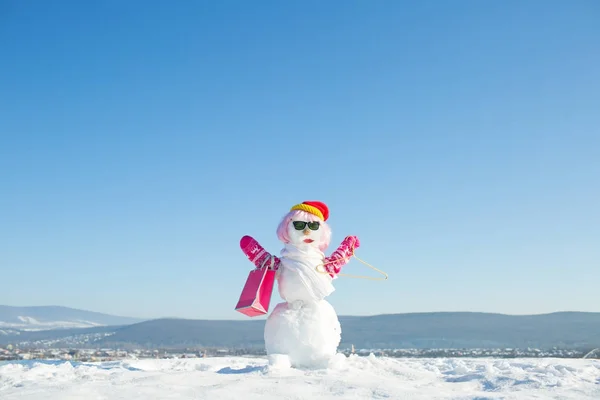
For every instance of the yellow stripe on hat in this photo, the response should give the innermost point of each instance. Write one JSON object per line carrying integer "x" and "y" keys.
{"x": 309, "y": 209}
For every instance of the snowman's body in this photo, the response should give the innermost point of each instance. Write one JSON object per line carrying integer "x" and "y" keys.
{"x": 304, "y": 330}
{"x": 305, "y": 327}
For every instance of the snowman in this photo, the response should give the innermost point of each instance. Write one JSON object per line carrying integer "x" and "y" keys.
{"x": 303, "y": 330}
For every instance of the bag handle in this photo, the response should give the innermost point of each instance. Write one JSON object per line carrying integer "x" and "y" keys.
{"x": 271, "y": 258}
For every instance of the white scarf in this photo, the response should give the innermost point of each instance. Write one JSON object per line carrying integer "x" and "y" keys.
{"x": 304, "y": 261}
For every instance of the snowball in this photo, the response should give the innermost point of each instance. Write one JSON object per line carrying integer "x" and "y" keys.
{"x": 308, "y": 333}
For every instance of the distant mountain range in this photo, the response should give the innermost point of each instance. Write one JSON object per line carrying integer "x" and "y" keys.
{"x": 55, "y": 317}
{"x": 569, "y": 330}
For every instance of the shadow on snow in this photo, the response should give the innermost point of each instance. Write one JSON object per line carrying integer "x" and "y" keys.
{"x": 246, "y": 370}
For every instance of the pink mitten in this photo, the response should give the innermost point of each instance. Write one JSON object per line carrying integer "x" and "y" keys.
{"x": 341, "y": 255}
{"x": 256, "y": 253}
{"x": 352, "y": 242}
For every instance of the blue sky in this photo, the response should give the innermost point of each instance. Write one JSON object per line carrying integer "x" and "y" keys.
{"x": 459, "y": 140}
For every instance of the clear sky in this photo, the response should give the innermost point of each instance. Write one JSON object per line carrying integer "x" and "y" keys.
{"x": 140, "y": 140}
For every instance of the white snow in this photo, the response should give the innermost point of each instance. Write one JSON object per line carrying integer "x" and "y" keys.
{"x": 307, "y": 335}
{"x": 349, "y": 378}
{"x": 31, "y": 324}
{"x": 28, "y": 320}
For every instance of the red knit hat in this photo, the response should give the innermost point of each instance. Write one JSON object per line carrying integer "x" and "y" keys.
{"x": 317, "y": 208}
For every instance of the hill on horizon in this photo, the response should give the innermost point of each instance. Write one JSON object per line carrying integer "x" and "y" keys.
{"x": 412, "y": 330}
{"x": 407, "y": 330}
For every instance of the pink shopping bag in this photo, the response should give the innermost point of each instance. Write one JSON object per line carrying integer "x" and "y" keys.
{"x": 256, "y": 295}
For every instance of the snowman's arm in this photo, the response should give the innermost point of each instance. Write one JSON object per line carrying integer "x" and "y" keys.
{"x": 341, "y": 256}
{"x": 257, "y": 254}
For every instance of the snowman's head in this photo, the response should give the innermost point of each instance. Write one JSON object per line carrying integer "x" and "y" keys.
{"x": 304, "y": 229}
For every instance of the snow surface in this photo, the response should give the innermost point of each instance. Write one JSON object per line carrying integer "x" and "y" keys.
{"x": 349, "y": 378}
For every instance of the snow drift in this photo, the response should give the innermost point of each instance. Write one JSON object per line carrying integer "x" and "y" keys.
{"x": 349, "y": 378}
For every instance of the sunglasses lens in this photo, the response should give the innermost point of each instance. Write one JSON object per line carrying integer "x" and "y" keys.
{"x": 314, "y": 225}
{"x": 299, "y": 225}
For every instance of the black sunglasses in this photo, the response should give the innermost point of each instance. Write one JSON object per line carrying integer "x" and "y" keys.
{"x": 313, "y": 226}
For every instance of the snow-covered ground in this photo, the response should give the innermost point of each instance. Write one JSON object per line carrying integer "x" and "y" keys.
{"x": 348, "y": 378}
